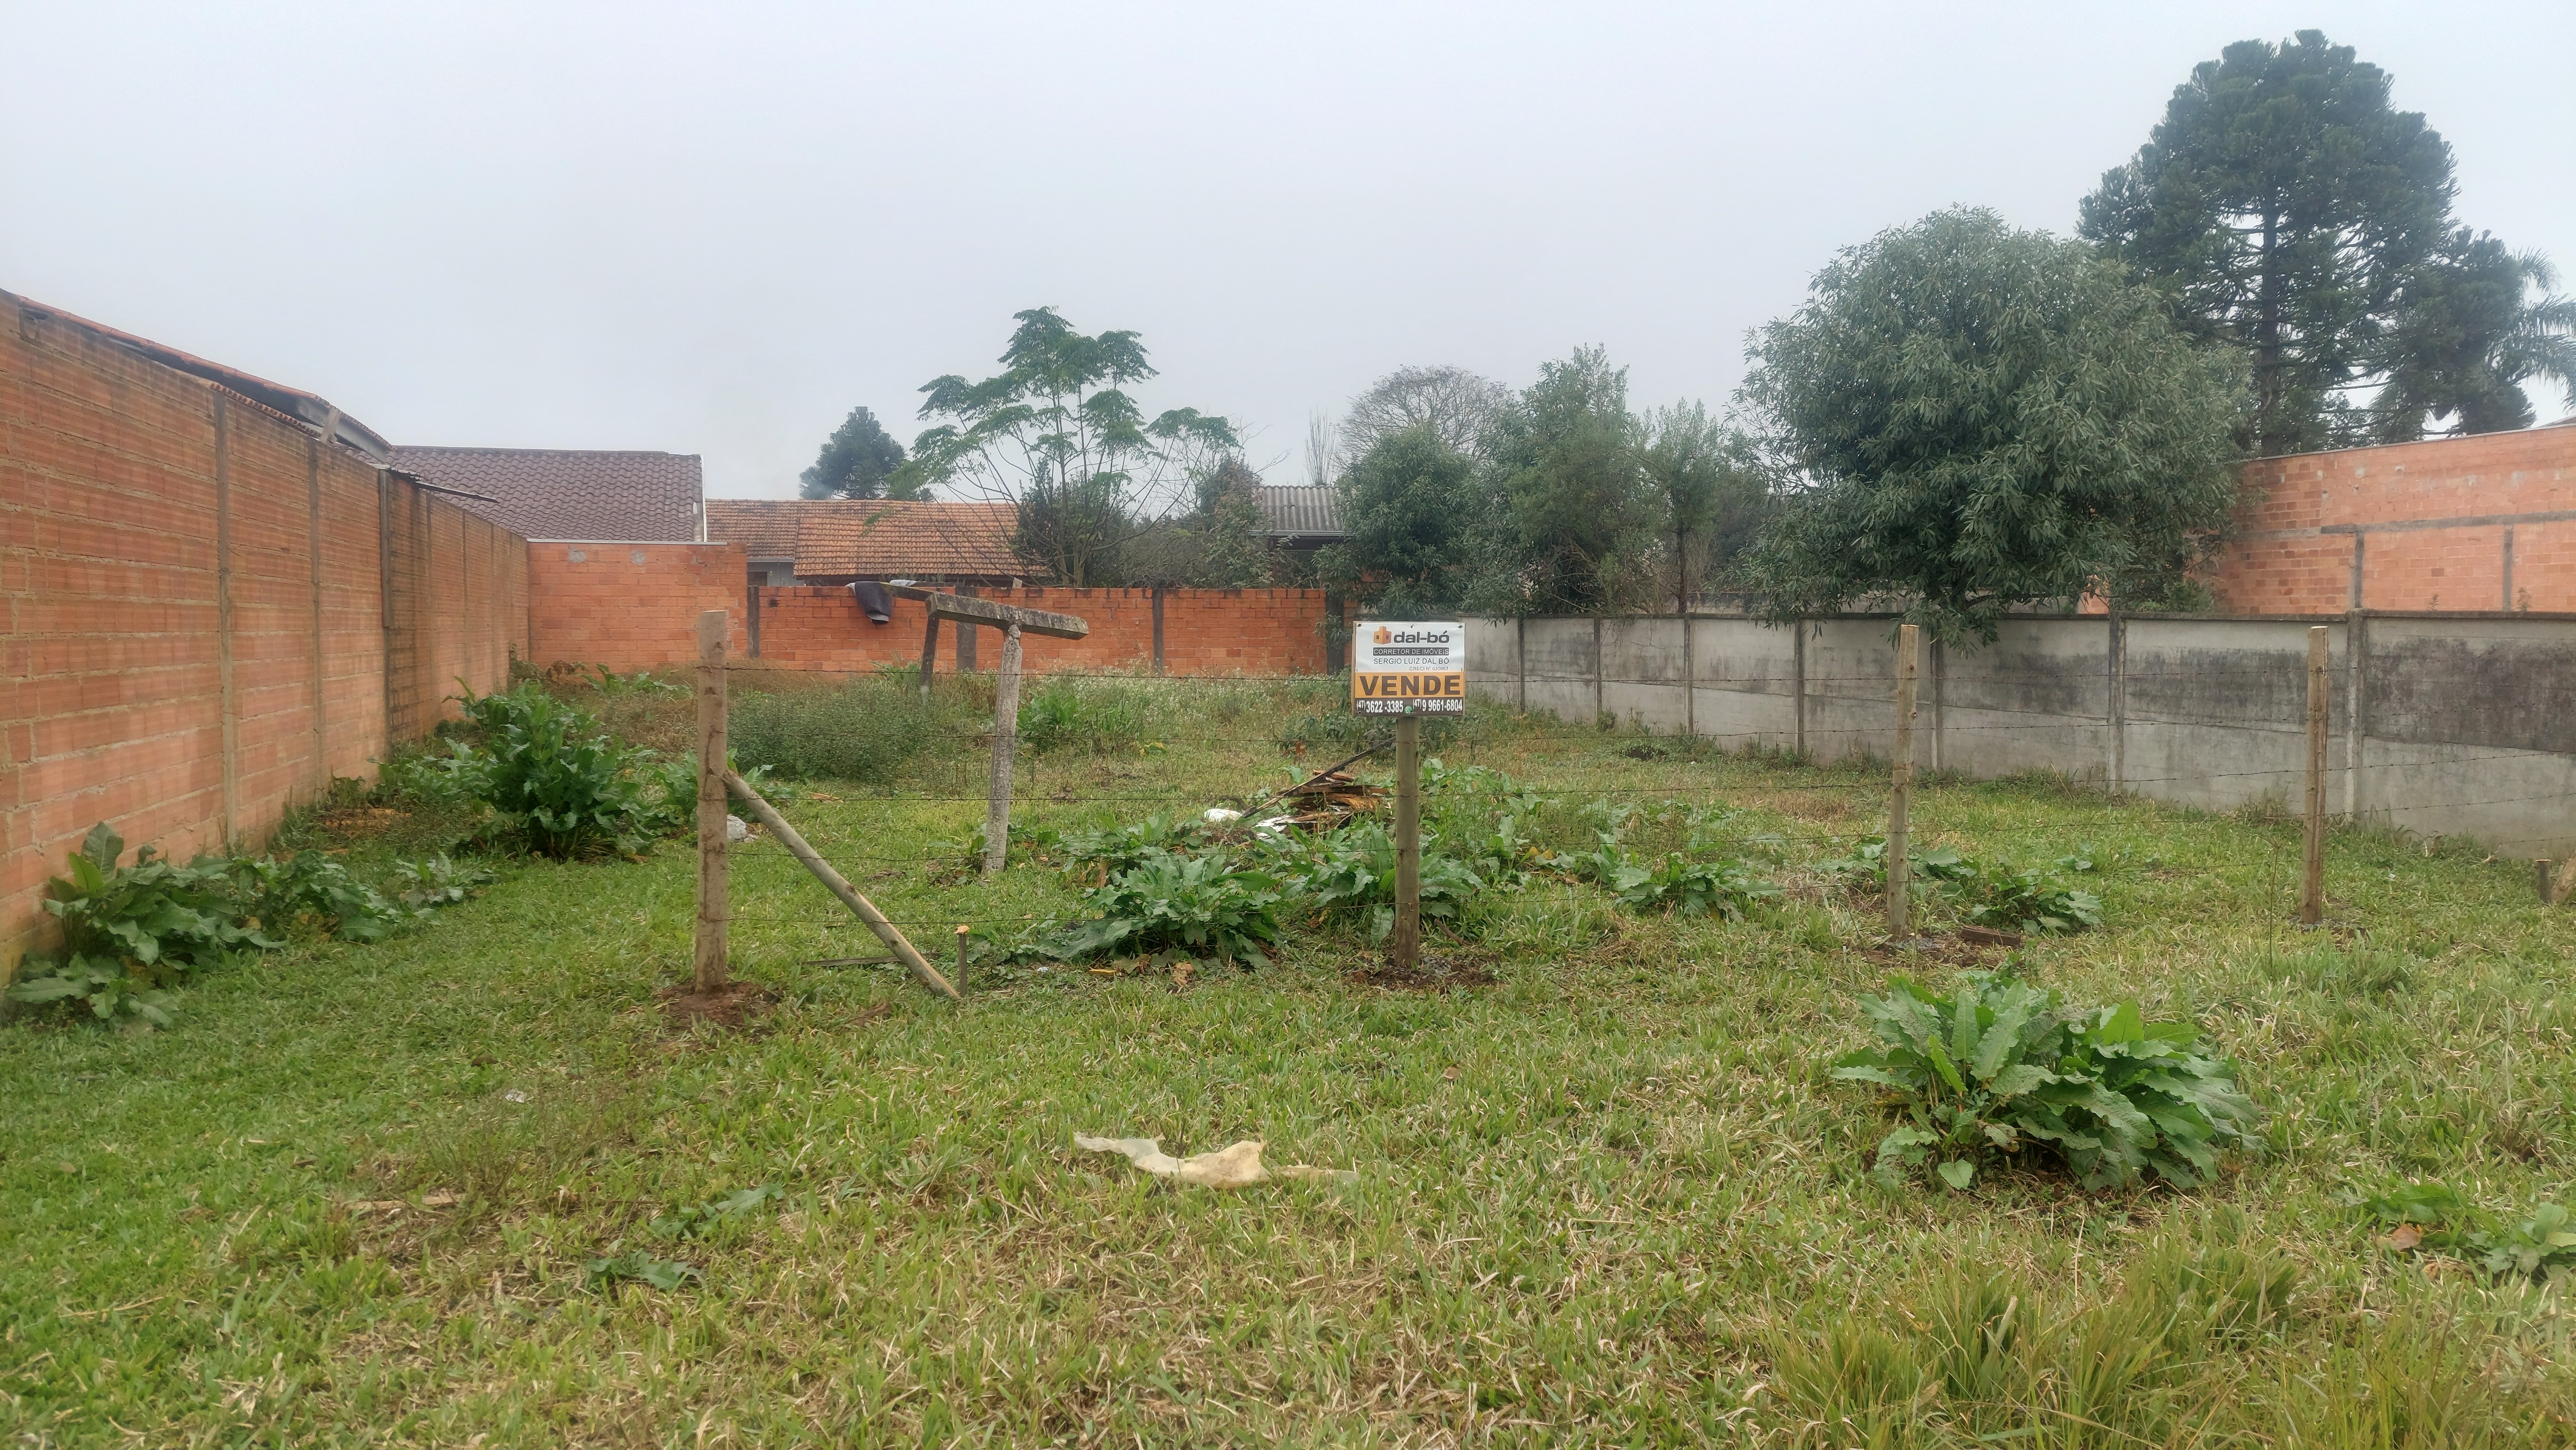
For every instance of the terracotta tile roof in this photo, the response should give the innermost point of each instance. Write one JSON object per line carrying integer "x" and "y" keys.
{"x": 765, "y": 527}
{"x": 563, "y": 493}
{"x": 884, "y": 539}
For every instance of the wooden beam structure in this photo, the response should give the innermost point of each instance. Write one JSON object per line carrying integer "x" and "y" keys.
{"x": 1013, "y": 622}
{"x": 969, "y": 610}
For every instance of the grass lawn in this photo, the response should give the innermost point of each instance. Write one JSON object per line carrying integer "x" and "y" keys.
{"x": 1612, "y": 1198}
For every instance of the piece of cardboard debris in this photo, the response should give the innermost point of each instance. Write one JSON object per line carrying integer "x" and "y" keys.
{"x": 1238, "y": 1166}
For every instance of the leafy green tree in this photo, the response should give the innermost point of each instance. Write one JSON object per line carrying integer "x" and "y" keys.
{"x": 856, "y": 461}
{"x": 2479, "y": 323}
{"x": 1981, "y": 418}
{"x": 1709, "y": 490}
{"x": 1565, "y": 523}
{"x": 1057, "y": 433}
{"x": 1218, "y": 544}
{"x": 1404, "y": 505}
{"x": 2284, "y": 206}
{"x": 1236, "y": 555}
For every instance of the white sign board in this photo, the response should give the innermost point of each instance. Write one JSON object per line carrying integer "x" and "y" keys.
{"x": 1409, "y": 667}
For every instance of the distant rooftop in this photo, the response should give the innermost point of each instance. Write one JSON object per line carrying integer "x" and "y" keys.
{"x": 1301, "y": 512}
{"x": 837, "y": 539}
{"x": 568, "y": 493}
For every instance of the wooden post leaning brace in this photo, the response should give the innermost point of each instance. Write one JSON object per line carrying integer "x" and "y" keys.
{"x": 1406, "y": 940}
{"x": 2312, "y": 885}
{"x": 714, "y": 627}
{"x": 1900, "y": 801}
{"x": 860, "y": 907}
{"x": 1006, "y": 740}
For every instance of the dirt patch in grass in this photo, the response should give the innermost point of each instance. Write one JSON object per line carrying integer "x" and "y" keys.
{"x": 1959, "y": 949}
{"x": 360, "y": 823}
{"x": 1432, "y": 972}
{"x": 733, "y": 1006}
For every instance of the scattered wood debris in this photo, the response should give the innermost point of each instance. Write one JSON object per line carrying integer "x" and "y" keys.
{"x": 1328, "y": 801}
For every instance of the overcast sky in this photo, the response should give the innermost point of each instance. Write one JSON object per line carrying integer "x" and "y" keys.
{"x": 715, "y": 229}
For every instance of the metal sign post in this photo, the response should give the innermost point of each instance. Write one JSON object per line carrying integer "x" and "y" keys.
{"x": 1408, "y": 670}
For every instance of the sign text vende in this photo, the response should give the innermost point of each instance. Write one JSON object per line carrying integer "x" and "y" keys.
{"x": 1409, "y": 668}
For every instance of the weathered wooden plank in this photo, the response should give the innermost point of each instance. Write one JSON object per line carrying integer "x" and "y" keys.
{"x": 985, "y": 611}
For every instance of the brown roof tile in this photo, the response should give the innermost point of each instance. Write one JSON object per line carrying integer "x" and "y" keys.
{"x": 765, "y": 527}
{"x": 563, "y": 493}
{"x": 888, "y": 539}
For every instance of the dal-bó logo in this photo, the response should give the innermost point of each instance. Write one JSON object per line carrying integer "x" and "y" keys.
{"x": 1385, "y": 635}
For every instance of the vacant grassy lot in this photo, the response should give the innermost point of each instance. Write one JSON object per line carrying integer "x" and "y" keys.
{"x": 1610, "y": 1199}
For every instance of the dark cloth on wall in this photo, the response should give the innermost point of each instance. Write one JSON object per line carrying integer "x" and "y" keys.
{"x": 872, "y": 598}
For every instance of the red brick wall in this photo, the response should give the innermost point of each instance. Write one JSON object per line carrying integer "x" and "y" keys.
{"x": 181, "y": 660}
{"x": 630, "y": 606}
{"x": 2294, "y": 550}
{"x": 1205, "y": 631}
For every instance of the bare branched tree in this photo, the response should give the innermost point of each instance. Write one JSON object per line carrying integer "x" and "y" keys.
{"x": 1455, "y": 404}
{"x": 1322, "y": 464}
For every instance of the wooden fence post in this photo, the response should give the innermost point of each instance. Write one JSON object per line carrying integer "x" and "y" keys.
{"x": 2312, "y": 889}
{"x": 1006, "y": 736}
{"x": 1407, "y": 937}
{"x": 1901, "y": 798}
{"x": 713, "y": 899}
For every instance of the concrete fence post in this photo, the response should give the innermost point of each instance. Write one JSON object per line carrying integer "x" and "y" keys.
{"x": 385, "y": 600}
{"x": 1690, "y": 681}
{"x": 2356, "y": 708}
{"x": 1798, "y": 682}
{"x": 2116, "y": 706}
{"x": 1158, "y": 629}
{"x": 313, "y": 557}
{"x": 229, "y": 695}
{"x": 1596, "y": 669}
{"x": 2312, "y": 890}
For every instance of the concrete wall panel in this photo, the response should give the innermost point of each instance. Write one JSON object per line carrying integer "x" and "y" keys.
{"x": 2466, "y": 729}
{"x": 2038, "y": 698}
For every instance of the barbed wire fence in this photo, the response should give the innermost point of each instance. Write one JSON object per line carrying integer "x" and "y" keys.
{"x": 1839, "y": 708}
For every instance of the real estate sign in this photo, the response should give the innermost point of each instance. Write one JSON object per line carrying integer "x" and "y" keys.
{"x": 1409, "y": 667}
